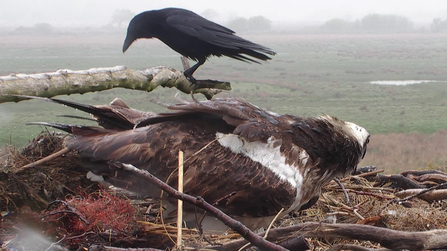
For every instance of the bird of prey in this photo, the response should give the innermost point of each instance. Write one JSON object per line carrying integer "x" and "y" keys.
{"x": 248, "y": 161}
{"x": 193, "y": 37}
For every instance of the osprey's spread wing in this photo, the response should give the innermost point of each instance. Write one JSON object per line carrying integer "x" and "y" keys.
{"x": 248, "y": 161}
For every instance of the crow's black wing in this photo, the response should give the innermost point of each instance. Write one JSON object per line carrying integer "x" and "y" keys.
{"x": 194, "y": 25}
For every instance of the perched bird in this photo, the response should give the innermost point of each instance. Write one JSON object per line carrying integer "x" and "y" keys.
{"x": 192, "y": 36}
{"x": 248, "y": 161}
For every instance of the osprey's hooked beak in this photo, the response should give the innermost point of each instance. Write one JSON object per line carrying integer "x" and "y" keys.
{"x": 365, "y": 146}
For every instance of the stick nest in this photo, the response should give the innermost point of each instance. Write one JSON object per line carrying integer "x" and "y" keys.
{"x": 53, "y": 205}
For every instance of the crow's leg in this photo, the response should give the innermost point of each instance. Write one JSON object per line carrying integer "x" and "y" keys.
{"x": 205, "y": 83}
{"x": 188, "y": 73}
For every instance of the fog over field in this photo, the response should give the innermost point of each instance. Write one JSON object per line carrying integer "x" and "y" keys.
{"x": 99, "y": 12}
{"x": 329, "y": 54}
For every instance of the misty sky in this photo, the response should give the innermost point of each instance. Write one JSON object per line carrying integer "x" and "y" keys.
{"x": 14, "y": 13}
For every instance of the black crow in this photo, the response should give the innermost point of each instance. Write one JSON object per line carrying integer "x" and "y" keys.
{"x": 193, "y": 36}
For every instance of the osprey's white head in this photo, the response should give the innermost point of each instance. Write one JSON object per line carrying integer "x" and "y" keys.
{"x": 351, "y": 130}
{"x": 360, "y": 133}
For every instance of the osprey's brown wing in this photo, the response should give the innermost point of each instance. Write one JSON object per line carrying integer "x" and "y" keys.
{"x": 211, "y": 170}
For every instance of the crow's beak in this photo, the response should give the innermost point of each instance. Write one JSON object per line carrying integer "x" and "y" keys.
{"x": 127, "y": 43}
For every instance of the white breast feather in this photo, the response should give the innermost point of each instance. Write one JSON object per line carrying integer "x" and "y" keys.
{"x": 265, "y": 154}
{"x": 270, "y": 157}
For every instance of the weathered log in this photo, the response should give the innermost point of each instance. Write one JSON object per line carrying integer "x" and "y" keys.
{"x": 388, "y": 238}
{"x": 399, "y": 180}
{"x": 353, "y": 247}
{"x": 65, "y": 82}
{"x": 433, "y": 195}
{"x": 108, "y": 248}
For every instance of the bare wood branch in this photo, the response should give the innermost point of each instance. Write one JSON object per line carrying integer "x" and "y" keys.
{"x": 388, "y": 238}
{"x": 41, "y": 161}
{"x": 401, "y": 181}
{"x": 64, "y": 82}
{"x": 108, "y": 248}
{"x": 429, "y": 194}
{"x": 354, "y": 248}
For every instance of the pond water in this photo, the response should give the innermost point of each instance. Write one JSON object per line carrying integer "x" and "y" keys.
{"x": 400, "y": 82}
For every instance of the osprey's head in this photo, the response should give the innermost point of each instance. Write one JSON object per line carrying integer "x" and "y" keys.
{"x": 361, "y": 134}
{"x": 351, "y": 141}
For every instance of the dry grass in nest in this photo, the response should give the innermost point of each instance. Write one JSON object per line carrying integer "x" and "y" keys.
{"x": 36, "y": 186}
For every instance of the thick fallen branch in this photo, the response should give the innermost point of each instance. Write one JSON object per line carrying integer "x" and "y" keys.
{"x": 64, "y": 82}
{"x": 352, "y": 247}
{"x": 107, "y": 248}
{"x": 392, "y": 239}
{"x": 246, "y": 233}
{"x": 399, "y": 180}
{"x": 428, "y": 194}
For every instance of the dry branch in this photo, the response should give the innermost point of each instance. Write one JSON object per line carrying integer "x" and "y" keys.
{"x": 65, "y": 82}
{"x": 392, "y": 239}
{"x": 400, "y": 181}
{"x": 256, "y": 240}
{"x": 440, "y": 194}
{"x": 107, "y": 248}
{"x": 352, "y": 247}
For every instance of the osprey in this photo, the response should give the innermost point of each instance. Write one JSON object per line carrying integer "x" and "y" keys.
{"x": 192, "y": 36}
{"x": 248, "y": 161}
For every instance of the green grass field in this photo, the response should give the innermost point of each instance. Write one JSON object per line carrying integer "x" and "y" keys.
{"x": 311, "y": 75}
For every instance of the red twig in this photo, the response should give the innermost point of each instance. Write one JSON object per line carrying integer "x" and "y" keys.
{"x": 70, "y": 210}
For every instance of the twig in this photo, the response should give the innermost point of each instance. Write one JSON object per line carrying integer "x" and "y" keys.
{"x": 67, "y": 212}
{"x": 268, "y": 229}
{"x": 107, "y": 248}
{"x": 180, "y": 202}
{"x": 43, "y": 160}
{"x": 81, "y": 235}
{"x": 355, "y": 211}
{"x": 55, "y": 246}
{"x": 363, "y": 174}
{"x": 224, "y": 198}
{"x": 200, "y": 202}
{"x": 343, "y": 189}
{"x": 271, "y": 223}
{"x": 354, "y": 248}
{"x": 371, "y": 194}
{"x": 70, "y": 210}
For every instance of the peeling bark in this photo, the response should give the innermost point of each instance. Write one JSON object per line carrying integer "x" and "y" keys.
{"x": 66, "y": 82}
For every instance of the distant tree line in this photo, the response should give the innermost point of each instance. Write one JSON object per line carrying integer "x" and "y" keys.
{"x": 439, "y": 25}
{"x": 372, "y": 23}
{"x": 257, "y": 23}
{"x": 380, "y": 23}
